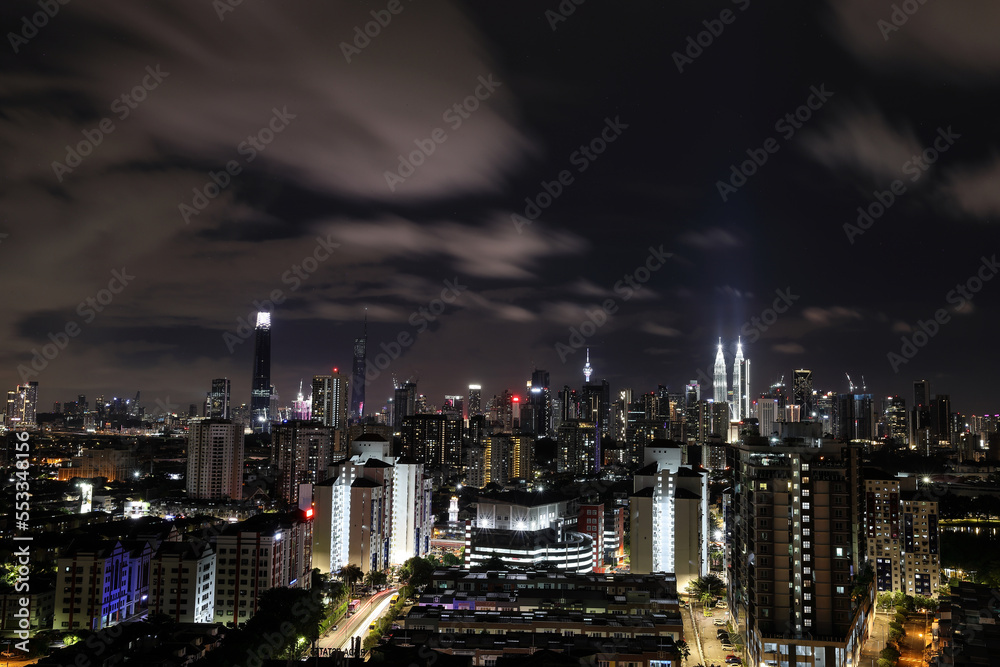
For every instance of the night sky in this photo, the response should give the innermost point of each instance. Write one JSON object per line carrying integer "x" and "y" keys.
{"x": 622, "y": 131}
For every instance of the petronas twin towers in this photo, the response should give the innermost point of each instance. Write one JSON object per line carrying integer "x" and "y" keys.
{"x": 739, "y": 398}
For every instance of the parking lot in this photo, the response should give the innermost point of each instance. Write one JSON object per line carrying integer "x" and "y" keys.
{"x": 707, "y": 631}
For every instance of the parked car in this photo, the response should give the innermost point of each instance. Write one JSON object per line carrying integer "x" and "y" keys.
{"x": 371, "y": 627}
{"x": 721, "y": 604}
{"x": 733, "y": 660}
{"x": 727, "y": 646}
{"x": 720, "y": 621}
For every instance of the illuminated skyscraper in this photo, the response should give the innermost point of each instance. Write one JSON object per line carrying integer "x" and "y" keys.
{"x": 260, "y": 391}
{"x": 358, "y": 374}
{"x": 475, "y": 400}
{"x": 719, "y": 381}
{"x": 404, "y": 404}
{"x": 540, "y": 400}
{"x": 21, "y": 405}
{"x": 218, "y": 399}
{"x": 741, "y": 382}
{"x": 896, "y": 420}
{"x": 802, "y": 392}
{"x": 587, "y": 370}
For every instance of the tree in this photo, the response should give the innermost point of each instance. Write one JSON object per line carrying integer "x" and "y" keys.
{"x": 350, "y": 574}
{"x": 452, "y": 559}
{"x": 706, "y": 598}
{"x": 884, "y": 600}
{"x": 890, "y": 653}
{"x": 683, "y": 649}
{"x": 417, "y": 571}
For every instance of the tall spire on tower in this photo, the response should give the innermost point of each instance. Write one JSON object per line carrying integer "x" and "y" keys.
{"x": 587, "y": 370}
{"x": 719, "y": 381}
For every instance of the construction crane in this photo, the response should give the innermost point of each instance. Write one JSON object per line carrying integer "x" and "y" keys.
{"x": 850, "y": 385}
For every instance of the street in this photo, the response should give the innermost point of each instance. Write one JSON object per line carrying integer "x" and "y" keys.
{"x": 357, "y": 625}
{"x": 712, "y": 652}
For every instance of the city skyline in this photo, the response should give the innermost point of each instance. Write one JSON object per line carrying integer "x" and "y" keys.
{"x": 789, "y": 175}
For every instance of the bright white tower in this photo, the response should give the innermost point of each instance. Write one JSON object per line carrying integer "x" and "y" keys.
{"x": 720, "y": 384}
{"x": 587, "y": 370}
{"x": 738, "y": 393}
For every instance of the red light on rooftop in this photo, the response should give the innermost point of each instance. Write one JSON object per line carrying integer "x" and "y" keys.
{"x": 309, "y": 513}
{"x": 516, "y": 399}
{"x": 335, "y": 370}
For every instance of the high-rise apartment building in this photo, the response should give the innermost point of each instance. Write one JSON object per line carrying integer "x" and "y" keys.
{"x": 902, "y": 534}
{"x": 302, "y": 452}
{"x": 182, "y": 582}
{"x": 374, "y": 511}
{"x": 796, "y": 527}
{"x": 260, "y": 390}
{"x": 265, "y": 551}
{"x": 669, "y": 516}
{"x": 214, "y": 459}
{"x": 98, "y": 583}
{"x": 433, "y": 439}
{"x": 329, "y": 400}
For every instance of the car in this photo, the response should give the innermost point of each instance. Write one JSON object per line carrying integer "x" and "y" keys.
{"x": 731, "y": 656}
{"x": 722, "y": 636}
{"x": 726, "y": 646}
{"x": 332, "y": 628}
{"x": 733, "y": 660}
{"x": 721, "y": 604}
{"x": 371, "y": 627}
{"x": 720, "y": 621}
